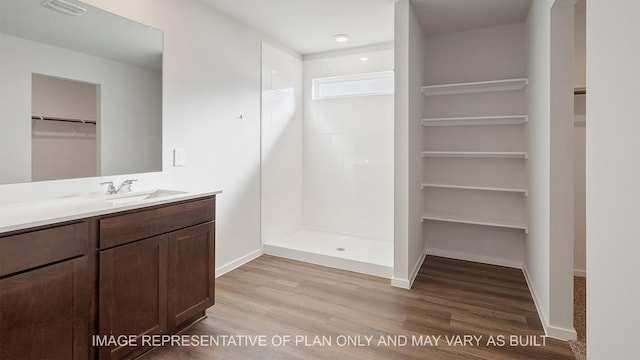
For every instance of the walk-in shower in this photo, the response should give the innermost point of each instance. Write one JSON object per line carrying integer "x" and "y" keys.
{"x": 327, "y": 159}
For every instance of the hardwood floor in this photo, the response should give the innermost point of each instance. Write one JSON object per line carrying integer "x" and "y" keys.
{"x": 271, "y": 298}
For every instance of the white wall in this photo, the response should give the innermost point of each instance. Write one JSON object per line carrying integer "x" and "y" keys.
{"x": 53, "y": 141}
{"x": 539, "y": 134}
{"x": 486, "y": 54}
{"x": 613, "y": 175}
{"x": 561, "y": 213}
{"x": 128, "y": 130}
{"x": 579, "y": 200}
{"x": 281, "y": 144}
{"x": 130, "y": 133}
{"x": 549, "y": 245}
{"x": 580, "y": 44}
{"x": 57, "y": 97}
{"x": 493, "y": 53}
{"x": 348, "y": 152}
{"x": 409, "y": 244}
{"x": 211, "y": 76}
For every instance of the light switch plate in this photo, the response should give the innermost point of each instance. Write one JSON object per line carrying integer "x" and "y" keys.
{"x": 179, "y": 157}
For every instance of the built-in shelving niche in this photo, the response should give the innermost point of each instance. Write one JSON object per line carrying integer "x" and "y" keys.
{"x": 445, "y": 214}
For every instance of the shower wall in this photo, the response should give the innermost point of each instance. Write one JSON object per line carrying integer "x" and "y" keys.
{"x": 348, "y": 151}
{"x": 281, "y": 204}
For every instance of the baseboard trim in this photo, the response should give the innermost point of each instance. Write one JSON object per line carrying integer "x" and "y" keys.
{"x": 408, "y": 283}
{"x": 580, "y": 273}
{"x": 475, "y": 258}
{"x": 536, "y": 300}
{"x": 549, "y": 330}
{"x": 417, "y": 266}
{"x": 400, "y": 283}
{"x": 562, "y": 333}
{"x": 238, "y": 262}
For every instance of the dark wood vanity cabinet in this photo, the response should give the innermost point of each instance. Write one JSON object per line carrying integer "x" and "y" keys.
{"x": 132, "y": 294}
{"x": 191, "y": 284}
{"x": 135, "y": 273}
{"x": 156, "y": 273}
{"x": 44, "y": 294}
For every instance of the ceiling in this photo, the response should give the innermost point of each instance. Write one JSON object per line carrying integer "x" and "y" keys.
{"x": 308, "y": 26}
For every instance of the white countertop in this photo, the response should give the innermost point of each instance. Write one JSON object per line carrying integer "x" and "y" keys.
{"x": 19, "y": 216}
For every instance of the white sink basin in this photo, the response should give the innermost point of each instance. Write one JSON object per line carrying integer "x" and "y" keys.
{"x": 136, "y": 197}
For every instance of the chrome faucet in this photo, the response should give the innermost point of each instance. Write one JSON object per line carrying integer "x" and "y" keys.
{"x": 110, "y": 189}
{"x": 125, "y": 187}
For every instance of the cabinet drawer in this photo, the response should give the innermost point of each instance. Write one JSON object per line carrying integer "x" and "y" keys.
{"x": 42, "y": 247}
{"x": 125, "y": 228}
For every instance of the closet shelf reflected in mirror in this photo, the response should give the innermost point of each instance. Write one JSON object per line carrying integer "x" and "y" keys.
{"x": 62, "y": 119}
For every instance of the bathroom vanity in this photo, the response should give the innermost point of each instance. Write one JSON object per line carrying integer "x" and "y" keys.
{"x": 94, "y": 276}
{"x": 86, "y": 276}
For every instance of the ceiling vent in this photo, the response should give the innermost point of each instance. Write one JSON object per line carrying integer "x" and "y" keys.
{"x": 64, "y": 7}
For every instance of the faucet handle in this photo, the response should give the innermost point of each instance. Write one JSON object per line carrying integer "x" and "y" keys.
{"x": 110, "y": 189}
{"x": 125, "y": 187}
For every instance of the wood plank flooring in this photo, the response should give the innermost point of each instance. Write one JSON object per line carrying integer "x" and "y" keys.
{"x": 274, "y": 298}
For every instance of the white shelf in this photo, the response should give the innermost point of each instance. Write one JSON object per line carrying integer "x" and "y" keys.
{"x": 480, "y": 188}
{"x": 476, "y": 121}
{"x": 475, "y": 87}
{"x": 453, "y": 219}
{"x": 476, "y": 154}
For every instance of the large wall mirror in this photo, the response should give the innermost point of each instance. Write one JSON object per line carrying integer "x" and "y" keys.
{"x": 80, "y": 92}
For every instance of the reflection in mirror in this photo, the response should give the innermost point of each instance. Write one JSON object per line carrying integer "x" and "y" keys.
{"x": 64, "y": 129}
{"x": 95, "y": 67}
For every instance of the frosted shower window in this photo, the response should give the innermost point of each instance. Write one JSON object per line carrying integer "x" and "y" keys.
{"x": 378, "y": 83}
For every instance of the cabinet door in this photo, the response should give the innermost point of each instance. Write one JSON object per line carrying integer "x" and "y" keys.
{"x": 191, "y": 273}
{"x": 133, "y": 294}
{"x": 44, "y": 312}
